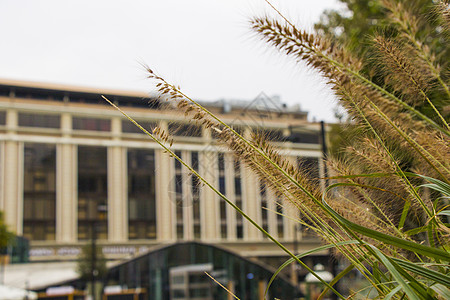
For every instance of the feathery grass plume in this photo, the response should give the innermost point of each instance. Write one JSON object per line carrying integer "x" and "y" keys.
{"x": 411, "y": 26}
{"x": 399, "y": 70}
{"x": 374, "y": 205}
{"x": 443, "y": 10}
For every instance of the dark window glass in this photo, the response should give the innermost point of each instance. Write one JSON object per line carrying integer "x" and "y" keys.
{"x": 180, "y": 129}
{"x": 129, "y": 127}
{"x": 304, "y": 137}
{"x": 179, "y": 231}
{"x": 178, "y": 185}
{"x": 38, "y": 94}
{"x": 237, "y": 186}
{"x": 222, "y": 189}
{"x": 196, "y": 196}
{"x": 92, "y": 192}
{"x": 239, "y": 231}
{"x": 221, "y": 159}
{"x": 177, "y": 162}
{"x": 194, "y": 160}
{"x": 39, "y": 201}
{"x": 39, "y": 120}
{"x": 91, "y": 124}
{"x": 264, "y": 206}
{"x": 223, "y": 231}
{"x": 200, "y": 293}
{"x": 2, "y": 117}
{"x": 141, "y": 194}
{"x": 280, "y": 219}
{"x": 223, "y": 210}
{"x": 222, "y": 184}
{"x": 238, "y": 195}
{"x": 5, "y": 91}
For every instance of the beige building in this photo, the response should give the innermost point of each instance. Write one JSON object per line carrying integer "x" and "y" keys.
{"x": 69, "y": 163}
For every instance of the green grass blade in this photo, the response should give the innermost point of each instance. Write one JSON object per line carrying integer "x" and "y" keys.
{"x": 404, "y": 214}
{"x": 335, "y": 280}
{"x": 424, "y": 272}
{"x": 441, "y": 290}
{"x": 444, "y": 213}
{"x": 412, "y": 292}
{"x": 299, "y": 256}
{"x": 393, "y": 292}
{"x": 438, "y": 188}
{"x": 416, "y": 230}
{"x": 436, "y": 184}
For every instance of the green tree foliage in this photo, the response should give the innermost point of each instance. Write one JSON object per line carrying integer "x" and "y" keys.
{"x": 361, "y": 19}
{"x": 86, "y": 264}
{"x": 353, "y": 25}
{"x": 5, "y": 235}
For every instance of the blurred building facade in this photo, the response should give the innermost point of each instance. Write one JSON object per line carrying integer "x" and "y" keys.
{"x": 69, "y": 162}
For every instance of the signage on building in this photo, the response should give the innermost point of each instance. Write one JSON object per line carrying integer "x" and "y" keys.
{"x": 41, "y": 252}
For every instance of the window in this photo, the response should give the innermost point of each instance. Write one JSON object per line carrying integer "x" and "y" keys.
{"x": 2, "y": 117}
{"x": 222, "y": 189}
{"x": 129, "y": 127}
{"x": 280, "y": 219}
{"x": 92, "y": 192}
{"x": 238, "y": 194}
{"x": 141, "y": 194}
{"x": 180, "y": 129}
{"x": 179, "y": 196}
{"x": 91, "y": 124}
{"x": 39, "y": 120}
{"x": 196, "y": 195}
{"x": 39, "y": 198}
{"x": 264, "y": 205}
{"x": 304, "y": 137}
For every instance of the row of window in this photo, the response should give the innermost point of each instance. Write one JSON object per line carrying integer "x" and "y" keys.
{"x": 39, "y": 216}
{"x": 53, "y": 121}
{"x": 39, "y": 209}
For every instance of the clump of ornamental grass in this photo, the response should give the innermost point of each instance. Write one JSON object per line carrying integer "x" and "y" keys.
{"x": 386, "y": 209}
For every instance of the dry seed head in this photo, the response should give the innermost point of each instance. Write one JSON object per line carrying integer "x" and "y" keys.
{"x": 403, "y": 71}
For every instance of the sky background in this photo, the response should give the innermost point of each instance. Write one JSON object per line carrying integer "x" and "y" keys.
{"x": 205, "y": 46}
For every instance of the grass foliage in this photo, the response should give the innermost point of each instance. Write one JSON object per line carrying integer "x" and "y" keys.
{"x": 386, "y": 209}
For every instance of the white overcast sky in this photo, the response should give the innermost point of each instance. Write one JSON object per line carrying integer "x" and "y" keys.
{"x": 205, "y": 46}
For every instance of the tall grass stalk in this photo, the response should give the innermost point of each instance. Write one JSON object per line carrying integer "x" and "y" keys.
{"x": 388, "y": 222}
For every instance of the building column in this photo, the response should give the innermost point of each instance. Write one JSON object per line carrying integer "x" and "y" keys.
{"x": 66, "y": 193}
{"x": 209, "y": 204}
{"x": 250, "y": 202}
{"x": 13, "y": 186}
{"x": 12, "y": 179}
{"x": 271, "y": 213}
{"x": 117, "y": 187}
{"x": 187, "y": 201}
{"x": 66, "y": 185}
{"x": 290, "y": 211}
{"x": 165, "y": 201}
{"x": 117, "y": 195}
